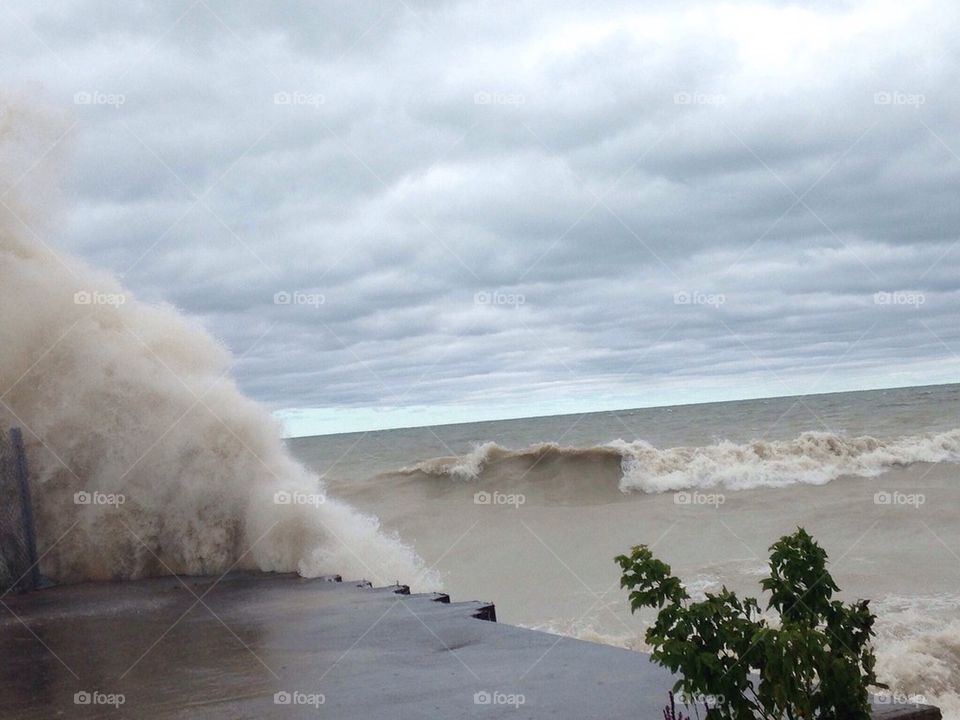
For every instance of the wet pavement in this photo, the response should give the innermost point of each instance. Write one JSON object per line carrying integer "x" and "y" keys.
{"x": 256, "y": 645}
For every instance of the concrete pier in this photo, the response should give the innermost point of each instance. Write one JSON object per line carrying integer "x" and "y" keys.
{"x": 254, "y": 645}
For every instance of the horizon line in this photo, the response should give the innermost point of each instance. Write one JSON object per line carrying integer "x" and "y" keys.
{"x": 616, "y": 410}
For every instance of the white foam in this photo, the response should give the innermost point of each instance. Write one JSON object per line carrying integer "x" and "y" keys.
{"x": 918, "y": 649}
{"x": 468, "y": 466}
{"x": 813, "y": 458}
{"x": 119, "y": 397}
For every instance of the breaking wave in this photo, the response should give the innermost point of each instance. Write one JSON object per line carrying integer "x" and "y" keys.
{"x": 812, "y": 458}
{"x": 918, "y": 649}
{"x": 145, "y": 457}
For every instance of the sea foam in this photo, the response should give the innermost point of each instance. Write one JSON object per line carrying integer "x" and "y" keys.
{"x": 811, "y": 458}
{"x": 130, "y": 401}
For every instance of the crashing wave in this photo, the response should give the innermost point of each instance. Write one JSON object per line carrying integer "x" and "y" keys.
{"x": 132, "y": 404}
{"x": 811, "y": 458}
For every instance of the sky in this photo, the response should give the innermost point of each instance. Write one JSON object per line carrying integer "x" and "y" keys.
{"x": 412, "y": 213}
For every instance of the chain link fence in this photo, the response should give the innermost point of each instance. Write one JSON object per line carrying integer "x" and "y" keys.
{"x": 19, "y": 570}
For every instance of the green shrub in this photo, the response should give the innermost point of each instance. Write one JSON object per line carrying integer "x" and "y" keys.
{"x": 816, "y": 663}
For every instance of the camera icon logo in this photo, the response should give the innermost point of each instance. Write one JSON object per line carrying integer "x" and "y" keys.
{"x": 82, "y": 698}
{"x": 282, "y": 698}
{"x": 82, "y": 498}
{"x": 482, "y": 698}
{"x": 482, "y": 498}
{"x": 882, "y": 498}
{"x": 282, "y": 497}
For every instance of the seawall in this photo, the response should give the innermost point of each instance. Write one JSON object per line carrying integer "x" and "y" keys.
{"x": 257, "y": 645}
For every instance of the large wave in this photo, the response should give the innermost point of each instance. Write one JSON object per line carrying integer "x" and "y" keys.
{"x": 811, "y": 457}
{"x": 145, "y": 456}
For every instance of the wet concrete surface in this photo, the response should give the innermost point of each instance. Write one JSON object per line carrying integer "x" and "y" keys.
{"x": 256, "y": 645}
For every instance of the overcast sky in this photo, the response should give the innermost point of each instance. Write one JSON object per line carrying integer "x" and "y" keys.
{"x": 404, "y": 213}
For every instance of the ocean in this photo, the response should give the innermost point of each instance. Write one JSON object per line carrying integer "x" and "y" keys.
{"x": 529, "y": 513}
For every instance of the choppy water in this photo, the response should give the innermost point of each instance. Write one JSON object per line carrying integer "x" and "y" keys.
{"x": 872, "y": 474}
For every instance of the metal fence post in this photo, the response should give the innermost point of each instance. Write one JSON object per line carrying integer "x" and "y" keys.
{"x": 26, "y": 507}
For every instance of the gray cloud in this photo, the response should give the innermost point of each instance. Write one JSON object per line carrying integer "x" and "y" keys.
{"x": 508, "y": 208}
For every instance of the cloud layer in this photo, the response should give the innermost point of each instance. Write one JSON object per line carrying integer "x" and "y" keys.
{"x": 420, "y": 211}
